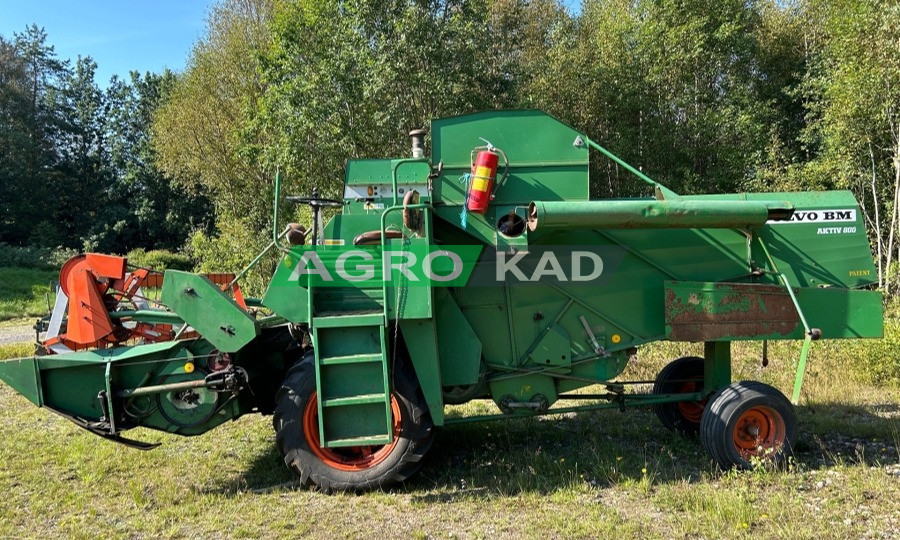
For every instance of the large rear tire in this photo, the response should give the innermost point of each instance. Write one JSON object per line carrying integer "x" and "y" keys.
{"x": 356, "y": 468}
{"x": 748, "y": 421}
{"x": 684, "y": 375}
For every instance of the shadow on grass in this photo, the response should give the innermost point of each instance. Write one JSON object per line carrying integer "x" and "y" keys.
{"x": 600, "y": 449}
{"x": 25, "y": 292}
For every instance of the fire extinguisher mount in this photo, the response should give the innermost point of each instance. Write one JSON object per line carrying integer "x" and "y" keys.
{"x": 491, "y": 148}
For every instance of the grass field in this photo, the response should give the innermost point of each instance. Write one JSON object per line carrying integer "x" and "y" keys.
{"x": 574, "y": 476}
{"x": 23, "y": 292}
{"x": 568, "y": 476}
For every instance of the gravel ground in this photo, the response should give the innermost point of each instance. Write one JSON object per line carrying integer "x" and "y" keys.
{"x": 16, "y": 334}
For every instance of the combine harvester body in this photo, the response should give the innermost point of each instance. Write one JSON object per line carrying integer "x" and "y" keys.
{"x": 535, "y": 291}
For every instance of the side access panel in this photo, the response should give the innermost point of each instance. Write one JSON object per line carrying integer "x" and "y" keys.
{"x": 421, "y": 339}
{"x": 707, "y": 311}
{"x": 203, "y": 305}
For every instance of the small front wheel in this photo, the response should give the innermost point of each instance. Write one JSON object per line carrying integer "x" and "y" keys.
{"x": 746, "y": 421}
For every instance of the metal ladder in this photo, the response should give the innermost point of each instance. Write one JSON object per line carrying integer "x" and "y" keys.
{"x": 353, "y": 380}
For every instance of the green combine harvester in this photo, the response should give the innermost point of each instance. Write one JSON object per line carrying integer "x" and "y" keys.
{"x": 482, "y": 272}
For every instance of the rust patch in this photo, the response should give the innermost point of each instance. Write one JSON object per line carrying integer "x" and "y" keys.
{"x": 728, "y": 310}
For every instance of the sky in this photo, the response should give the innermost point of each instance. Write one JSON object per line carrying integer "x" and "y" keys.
{"x": 123, "y": 35}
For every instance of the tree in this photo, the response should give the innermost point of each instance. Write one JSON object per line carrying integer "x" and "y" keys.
{"x": 16, "y": 133}
{"x": 350, "y": 79}
{"x": 669, "y": 86}
{"x": 144, "y": 208}
{"x": 853, "y": 102}
{"x": 80, "y": 179}
{"x": 199, "y": 133}
{"x": 29, "y": 74}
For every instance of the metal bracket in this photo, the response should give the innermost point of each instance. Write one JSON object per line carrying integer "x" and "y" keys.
{"x": 812, "y": 334}
{"x": 596, "y": 345}
{"x": 101, "y": 430}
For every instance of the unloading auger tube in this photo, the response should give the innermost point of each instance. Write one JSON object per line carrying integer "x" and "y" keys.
{"x": 643, "y": 214}
{"x": 357, "y": 370}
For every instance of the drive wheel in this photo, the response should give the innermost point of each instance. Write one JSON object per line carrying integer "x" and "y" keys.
{"x": 745, "y": 421}
{"x": 681, "y": 376}
{"x": 357, "y": 468}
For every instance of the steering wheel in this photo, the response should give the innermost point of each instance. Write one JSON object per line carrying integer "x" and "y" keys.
{"x": 315, "y": 201}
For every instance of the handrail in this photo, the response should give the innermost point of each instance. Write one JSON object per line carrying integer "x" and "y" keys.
{"x": 626, "y": 166}
{"x": 396, "y": 165}
{"x": 383, "y": 230}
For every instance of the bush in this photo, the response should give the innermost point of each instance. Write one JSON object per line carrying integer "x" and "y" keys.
{"x": 34, "y": 257}
{"x": 877, "y": 361}
{"x": 233, "y": 248}
{"x": 160, "y": 259}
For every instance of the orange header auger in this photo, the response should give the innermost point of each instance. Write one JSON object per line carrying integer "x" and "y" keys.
{"x": 97, "y": 298}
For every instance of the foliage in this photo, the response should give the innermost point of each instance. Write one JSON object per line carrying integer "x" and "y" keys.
{"x": 34, "y": 257}
{"x": 231, "y": 249}
{"x": 159, "y": 259}
{"x": 143, "y": 207}
{"x": 853, "y": 88}
{"x": 82, "y": 156}
{"x": 30, "y": 75}
{"x": 199, "y": 132}
{"x": 349, "y": 80}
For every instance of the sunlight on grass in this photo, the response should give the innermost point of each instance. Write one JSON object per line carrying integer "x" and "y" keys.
{"x": 561, "y": 476}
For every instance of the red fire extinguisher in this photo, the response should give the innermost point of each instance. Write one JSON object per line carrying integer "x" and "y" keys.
{"x": 484, "y": 174}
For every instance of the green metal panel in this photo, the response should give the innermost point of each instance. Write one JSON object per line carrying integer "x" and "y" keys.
{"x": 824, "y": 243}
{"x": 287, "y": 298}
{"x": 104, "y": 356}
{"x": 553, "y": 349}
{"x": 409, "y": 302}
{"x": 842, "y": 313}
{"x": 460, "y": 348}
{"x": 207, "y": 309}
{"x": 421, "y": 341}
{"x": 487, "y": 312}
{"x": 484, "y": 227}
{"x": 363, "y": 172}
{"x": 23, "y": 376}
{"x": 544, "y": 163}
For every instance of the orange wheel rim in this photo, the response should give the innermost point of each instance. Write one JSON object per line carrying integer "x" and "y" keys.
{"x": 692, "y": 411}
{"x": 759, "y": 432}
{"x": 351, "y": 458}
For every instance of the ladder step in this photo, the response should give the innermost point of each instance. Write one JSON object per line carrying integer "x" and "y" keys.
{"x": 354, "y": 400}
{"x": 359, "y": 441}
{"x": 350, "y": 359}
{"x": 368, "y": 319}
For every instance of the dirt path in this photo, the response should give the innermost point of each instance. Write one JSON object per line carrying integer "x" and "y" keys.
{"x": 16, "y": 334}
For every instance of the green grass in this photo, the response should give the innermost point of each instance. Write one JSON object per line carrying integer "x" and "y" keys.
{"x": 574, "y": 476}
{"x": 23, "y": 292}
